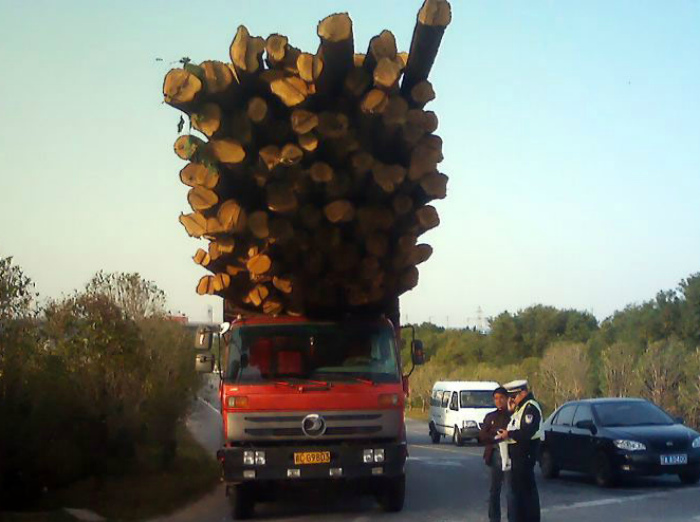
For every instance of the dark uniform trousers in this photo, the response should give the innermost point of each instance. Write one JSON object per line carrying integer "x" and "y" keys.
{"x": 523, "y": 454}
{"x": 526, "y": 499}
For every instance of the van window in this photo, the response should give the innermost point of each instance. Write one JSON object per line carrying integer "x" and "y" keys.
{"x": 476, "y": 399}
{"x": 453, "y": 402}
{"x": 445, "y": 399}
{"x": 436, "y": 398}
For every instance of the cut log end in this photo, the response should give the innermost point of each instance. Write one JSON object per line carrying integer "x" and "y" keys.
{"x": 335, "y": 28}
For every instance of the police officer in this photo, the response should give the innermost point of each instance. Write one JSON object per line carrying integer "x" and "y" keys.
{"x": 523, "y": 435}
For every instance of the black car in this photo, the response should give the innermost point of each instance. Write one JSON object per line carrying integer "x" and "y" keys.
{"x": 612, "y": 438}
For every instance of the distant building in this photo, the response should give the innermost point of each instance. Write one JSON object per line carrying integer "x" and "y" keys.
{"x": 181, "y": 319}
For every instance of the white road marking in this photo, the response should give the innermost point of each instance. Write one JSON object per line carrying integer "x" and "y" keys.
{"x": 437, "y": 462}
{"x": 446, "y": 450}
{"x": 209, "y": 405}
{"x": 614, "y": 500}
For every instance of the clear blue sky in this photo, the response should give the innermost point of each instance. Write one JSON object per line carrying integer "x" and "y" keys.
{"x": 571, "y": 130}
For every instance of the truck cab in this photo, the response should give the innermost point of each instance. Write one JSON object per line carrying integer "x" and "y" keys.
{"x": 306, "y": 400}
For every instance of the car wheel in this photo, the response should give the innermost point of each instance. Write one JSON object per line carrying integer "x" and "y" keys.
{"x": 434, "y": 435}
{"x": 457, "y": 437}
{"x": 240, "y": 498}
{"x": 547, "y": 466}
{"x": 603, "y": 472}
{"x": 690, "y": 477}
{"x": 392, "y": 494}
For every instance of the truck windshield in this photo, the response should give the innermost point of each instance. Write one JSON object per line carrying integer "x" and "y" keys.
{"x": 317, "y": 352}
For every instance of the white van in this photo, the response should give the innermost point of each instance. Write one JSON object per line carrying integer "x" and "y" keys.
{"x": 458, "y": 408}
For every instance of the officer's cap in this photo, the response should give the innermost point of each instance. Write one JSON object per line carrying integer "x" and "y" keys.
{"x": 515, "y": 387}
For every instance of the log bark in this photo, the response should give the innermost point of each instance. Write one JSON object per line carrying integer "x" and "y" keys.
{"x": 336, "y": 52}
{"x": 433, "y": 17}
{"x": 381, "y": 46}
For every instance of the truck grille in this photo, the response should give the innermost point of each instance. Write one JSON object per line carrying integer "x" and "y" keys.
{"x": 339, "y": 425}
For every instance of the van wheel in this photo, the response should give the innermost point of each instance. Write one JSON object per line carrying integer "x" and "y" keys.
{"x": 603, "y": 472}
{"x": 240, "y": 498}
{"x": 434, "y": 435}
{"x": 392, "y": 494}
{"x": 457, "y": 437}
{"x": 547, "y": 466}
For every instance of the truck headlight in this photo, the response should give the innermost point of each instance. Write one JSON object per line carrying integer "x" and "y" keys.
{"x": 379, "y": 455}
{"x": 368, "y": 456}
{"x": 259, "y": 458}
{"x": 629, "y": 445}
{"x": 696, "y": 443}
{"x": 249, "y": 458}
{"x": 469, "y": 424}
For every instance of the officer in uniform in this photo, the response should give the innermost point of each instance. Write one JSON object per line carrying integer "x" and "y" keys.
{"x": 523, "y": 436}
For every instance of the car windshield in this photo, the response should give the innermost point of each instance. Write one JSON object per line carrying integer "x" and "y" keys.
{"x": 628, "y": 413}
{"x": 312, "y": 352}
{"x": 476, "y": 399}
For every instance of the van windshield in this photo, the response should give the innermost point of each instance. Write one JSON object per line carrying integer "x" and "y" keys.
{"x": 312, "y": 352}
{"x": 476, "y": 399}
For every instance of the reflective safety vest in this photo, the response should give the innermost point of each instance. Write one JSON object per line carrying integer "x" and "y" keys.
{"x": 517, "y": 417}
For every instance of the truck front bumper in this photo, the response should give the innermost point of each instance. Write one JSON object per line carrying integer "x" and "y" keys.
{"x": 346, "y": 462}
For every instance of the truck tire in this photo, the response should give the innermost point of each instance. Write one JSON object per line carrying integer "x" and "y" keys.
{"x": 242, "y": 503}
{"x": 392, "y": 494}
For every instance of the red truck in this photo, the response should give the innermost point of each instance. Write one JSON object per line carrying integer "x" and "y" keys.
{"x": 306, "y": 400}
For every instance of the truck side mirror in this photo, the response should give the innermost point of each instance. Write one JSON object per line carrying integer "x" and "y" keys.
{"x": 417, "y": 355}
{"x": 204, "y": 362}
{"x": 202, "y": 339}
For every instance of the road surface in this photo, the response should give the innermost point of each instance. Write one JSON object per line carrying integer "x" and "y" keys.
{"x": 446, "y": 484}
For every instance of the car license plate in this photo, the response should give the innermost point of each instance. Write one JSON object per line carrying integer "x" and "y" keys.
{"x": 673, "y": 460}
{"x": 312, "y": 457}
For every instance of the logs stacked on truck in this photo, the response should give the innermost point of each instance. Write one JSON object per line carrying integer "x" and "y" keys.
{"x": 314, "y": 181}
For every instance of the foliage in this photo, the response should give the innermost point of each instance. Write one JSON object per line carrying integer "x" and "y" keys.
{"x": 91, "y": 386}
{"x": 651, "y": 349}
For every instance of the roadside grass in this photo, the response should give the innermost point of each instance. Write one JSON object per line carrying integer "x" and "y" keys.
{"x": 416, "y": 414}
{"x": 145, "y": 493}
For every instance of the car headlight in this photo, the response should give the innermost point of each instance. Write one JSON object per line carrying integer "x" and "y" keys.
{"x": 696, "y": 443}
{"x": 469, "y": 424}
{"x": 368, "y": 456}
{"x": 248, "y": 458}
{"x": 629, "y": 445}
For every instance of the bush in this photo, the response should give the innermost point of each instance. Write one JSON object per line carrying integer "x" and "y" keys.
{"x": 88, "y": 388}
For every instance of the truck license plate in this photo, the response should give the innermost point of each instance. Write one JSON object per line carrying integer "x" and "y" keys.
{"x": 673, "y": 460}
{"x": 312, "y": 457}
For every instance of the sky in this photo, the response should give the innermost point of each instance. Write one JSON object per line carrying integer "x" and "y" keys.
{"x": 571, "y": 137}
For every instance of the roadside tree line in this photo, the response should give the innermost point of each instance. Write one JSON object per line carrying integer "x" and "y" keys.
{"x": 650, "y": 350}
{"x": 91, "y": 385}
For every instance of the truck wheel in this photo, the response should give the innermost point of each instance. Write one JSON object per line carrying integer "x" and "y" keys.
{"x": 392, "y": 493}
{"x": 457, "y": 437}
{"x": 240, "y": 497}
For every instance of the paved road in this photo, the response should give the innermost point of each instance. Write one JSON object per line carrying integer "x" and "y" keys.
{"x": 446, "y": 484}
